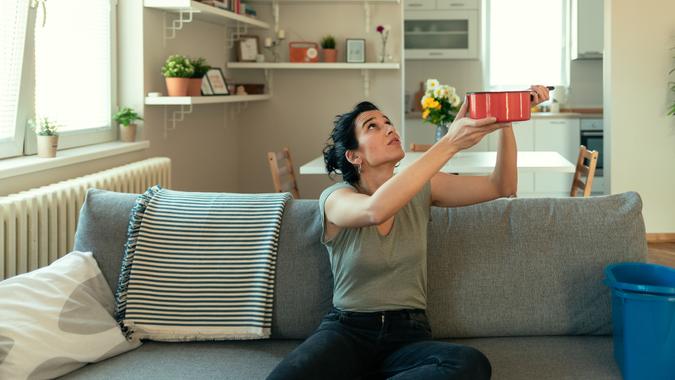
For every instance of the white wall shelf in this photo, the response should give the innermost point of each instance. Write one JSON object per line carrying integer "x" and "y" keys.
{"x": 317, "y": 65}
{"x": 188, "y": 10}
{"x": 190, "y": 100}
{"x": 323, "y": 1}
{"x": 364, "y": 67}
{"x": 185, "y": 103}
{"x": 366, "y": 7}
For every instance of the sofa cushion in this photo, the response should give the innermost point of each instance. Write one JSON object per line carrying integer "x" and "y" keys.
{"x": 56, "y": 319}
{"x": 525, "y": 267}
{"x": 511, "y": 358}
{"x": 501, "y": 268}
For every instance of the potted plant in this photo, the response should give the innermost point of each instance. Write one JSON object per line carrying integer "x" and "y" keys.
{"x": 47, "y": 137}
{"x": 177, "y": 70}
{"x": 200, "y": 68}
{"x": 126, "y": 117}
{"x": 329, "y": 51}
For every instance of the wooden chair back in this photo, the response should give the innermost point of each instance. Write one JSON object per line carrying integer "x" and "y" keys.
{"x": 283, "y": 174}
{"x": 587, "y": 171}
{"x": 419, "y": 147}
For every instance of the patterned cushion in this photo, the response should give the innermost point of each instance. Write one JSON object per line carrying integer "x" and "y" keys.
{"x": 56, "y": 319}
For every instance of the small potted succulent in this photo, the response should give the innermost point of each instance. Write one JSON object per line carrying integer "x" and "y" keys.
{"x": 47, "y": 137}
{"x": 177, "y": 70}
{"x": 329, "y": 51}
{"x": 200, "y": 68}
{"x": 126, "y": 117}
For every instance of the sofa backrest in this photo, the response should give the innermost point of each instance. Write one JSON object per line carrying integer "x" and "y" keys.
{"x": 503, "y": 268}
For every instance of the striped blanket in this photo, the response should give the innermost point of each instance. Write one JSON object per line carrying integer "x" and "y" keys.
{"x": 199, "y": 266}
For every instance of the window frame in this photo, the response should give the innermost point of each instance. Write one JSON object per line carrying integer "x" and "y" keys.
{"x": 566, "y": 53}
{"x": 26, "y": 105}
{"x": 14, "y": 146}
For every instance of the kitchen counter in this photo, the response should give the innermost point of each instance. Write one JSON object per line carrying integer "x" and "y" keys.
{"x": 593, "y": 114}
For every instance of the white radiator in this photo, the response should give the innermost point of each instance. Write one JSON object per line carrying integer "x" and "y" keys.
{"x": 38, "y": 226}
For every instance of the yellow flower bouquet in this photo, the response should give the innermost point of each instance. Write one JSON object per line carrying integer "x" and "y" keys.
{"x": 440, "y": 103}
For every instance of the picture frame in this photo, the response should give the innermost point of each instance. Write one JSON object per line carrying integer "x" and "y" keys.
{"x": 217, "y": 82}
{"x": 206, "y": 87}
{"x": 248, "y": 48}
{"x": 356, "y": 50}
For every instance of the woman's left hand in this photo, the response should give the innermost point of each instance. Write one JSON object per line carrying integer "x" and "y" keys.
{"x": 540, "y": 94}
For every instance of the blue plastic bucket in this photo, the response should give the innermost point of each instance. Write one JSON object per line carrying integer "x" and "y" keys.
{"x": 641, "y": 277}
{"x": 644, "y": 322}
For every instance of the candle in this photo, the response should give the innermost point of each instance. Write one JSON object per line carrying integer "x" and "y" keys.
{"x": 281, "y": 34}
{"x": 268, "y": 42}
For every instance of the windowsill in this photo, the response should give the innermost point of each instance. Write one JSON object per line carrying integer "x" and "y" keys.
{"x": 10, "y": 167}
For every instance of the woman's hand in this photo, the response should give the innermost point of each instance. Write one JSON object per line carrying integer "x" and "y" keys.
{"x": 465, "y": 132}
{"x": 539, "y": 94}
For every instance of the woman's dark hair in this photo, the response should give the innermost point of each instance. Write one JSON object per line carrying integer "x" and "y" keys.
{"x": 343, "y": 139}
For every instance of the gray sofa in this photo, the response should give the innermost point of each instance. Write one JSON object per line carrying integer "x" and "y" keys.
{"x": 519, "y": 279}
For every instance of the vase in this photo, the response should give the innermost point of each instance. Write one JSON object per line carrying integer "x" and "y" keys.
{"x": 46, "y": 146}
{"x": 441, "y": 130}
{"x": 383, "y": 55}
{"x": 195, "y": 87}
{"x": 329, "y": 55}
{"x": 177, "y": 86}
{"x": 128, "y": 133}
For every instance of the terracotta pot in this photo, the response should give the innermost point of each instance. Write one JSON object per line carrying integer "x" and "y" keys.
{"x": 177, "y": 86}
{"x": 195, "y": 87}
{"x": 128, "y": 133}
{"x": 46, "y": 146}
{"x": 330, "y": 55}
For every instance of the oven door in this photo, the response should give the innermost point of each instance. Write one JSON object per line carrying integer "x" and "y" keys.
{"x": 592, "y": 140}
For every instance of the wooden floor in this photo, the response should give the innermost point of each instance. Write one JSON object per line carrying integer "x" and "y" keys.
{"x": 662, "y": 253}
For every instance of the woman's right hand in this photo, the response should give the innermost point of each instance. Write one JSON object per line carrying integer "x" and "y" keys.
{"x": 465, "y": 132}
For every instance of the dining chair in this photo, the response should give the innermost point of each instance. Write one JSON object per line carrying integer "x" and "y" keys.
{"x": 283, "y": 174}
{"x": 584, "y": 170}
{"x": 419, "y": 147}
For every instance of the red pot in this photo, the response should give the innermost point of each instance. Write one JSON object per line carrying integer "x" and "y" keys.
{"x": 506, "y": 106}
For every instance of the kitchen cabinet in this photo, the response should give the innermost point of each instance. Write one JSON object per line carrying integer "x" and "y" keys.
{"x": 586, "y": 29}
{"x": 562, "y": 136}
{"x": 555, "y": 135}
{"x": 421, "y": 5}
{"x": 441, "y": 29}
{"x": 524, "y": 133}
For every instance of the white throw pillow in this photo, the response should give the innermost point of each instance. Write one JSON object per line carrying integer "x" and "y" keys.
{"x": 56, "y": 319}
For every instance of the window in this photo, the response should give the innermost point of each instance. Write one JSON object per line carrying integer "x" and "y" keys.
{"x": 13, "y": 17}
{"x": 71, "y": 77}
{"x": 526, "y": 43}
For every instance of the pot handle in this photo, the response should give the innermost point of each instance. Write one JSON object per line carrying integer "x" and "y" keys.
{"x": 550, "y": 88}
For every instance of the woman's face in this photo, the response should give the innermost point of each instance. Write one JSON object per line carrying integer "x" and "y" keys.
{"x": 379, "y": 142}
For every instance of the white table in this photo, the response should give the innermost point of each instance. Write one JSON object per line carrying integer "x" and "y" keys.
{"x": 475, "y": 163}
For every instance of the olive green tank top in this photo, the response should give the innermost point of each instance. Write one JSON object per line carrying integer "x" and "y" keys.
{"x": 372, "y": 272}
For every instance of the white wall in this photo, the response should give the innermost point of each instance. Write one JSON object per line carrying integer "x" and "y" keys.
{"x": 301, "y": 112}
{"x": 639, "y": 137}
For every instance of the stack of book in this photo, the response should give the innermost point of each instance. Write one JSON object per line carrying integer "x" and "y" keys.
{"x": 235, "y": 6}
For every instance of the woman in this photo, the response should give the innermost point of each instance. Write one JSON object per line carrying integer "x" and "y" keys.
{"x": 375, "y": 229}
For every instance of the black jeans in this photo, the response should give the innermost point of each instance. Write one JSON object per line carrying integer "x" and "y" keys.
{"x": 391, "y": 344}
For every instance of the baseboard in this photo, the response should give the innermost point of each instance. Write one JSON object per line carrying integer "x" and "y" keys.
{"x": 668, "y": 237}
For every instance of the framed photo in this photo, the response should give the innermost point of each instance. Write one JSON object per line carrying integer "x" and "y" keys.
{"x": 217, "y": 82}
{"x": 248, "y": 48}
{"x": 206, "y": 87}
{"x": 356, "y": 50}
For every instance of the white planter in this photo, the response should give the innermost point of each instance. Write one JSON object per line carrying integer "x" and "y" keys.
{"x": 47, "y": 146}
{"x": 128, "y": 133}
